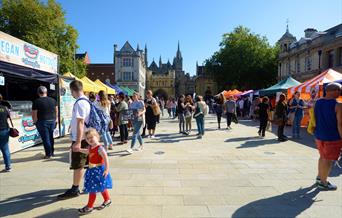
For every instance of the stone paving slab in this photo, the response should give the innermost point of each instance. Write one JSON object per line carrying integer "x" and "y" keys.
{"x": 226, "y": 174}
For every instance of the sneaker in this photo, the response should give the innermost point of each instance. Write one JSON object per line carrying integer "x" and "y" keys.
{"x": 69, "y": 194}
{"x": 7, "y": 170}
{"x": 152, "y": 136}
{"x": 318, "y": 180}
{"x": 327, "y": 187}
{"x": 199, "y": 136}
{"x": 110, "y": 147}
{"x": 130, "y": 150}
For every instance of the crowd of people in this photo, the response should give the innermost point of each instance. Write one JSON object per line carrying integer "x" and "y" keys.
{"x": 119, "y": 113}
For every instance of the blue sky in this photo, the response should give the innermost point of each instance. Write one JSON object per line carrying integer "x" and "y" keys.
{"x": 197, "y": 24}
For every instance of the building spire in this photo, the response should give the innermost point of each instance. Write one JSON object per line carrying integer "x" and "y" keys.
{"x": 287, "y": 25}
{"x": 178, "y": 46}
{"x": 138, "y": 48}
{"x": 160, "y": 61}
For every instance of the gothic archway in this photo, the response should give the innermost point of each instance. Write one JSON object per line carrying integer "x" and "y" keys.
{"x": 161, "y": 93}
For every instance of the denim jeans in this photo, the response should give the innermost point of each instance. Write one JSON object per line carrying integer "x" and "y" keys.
{"x": 173, "y": 112}
{"x": 107, "y": 139}
{"x": 136, "y": 133}
{"x": 45, "y": 129}
{"x": 4, "y": 137}
{"x": 200, "y": 125}
{"x": 181, "y": 119}
{"x": 296, "y": 125}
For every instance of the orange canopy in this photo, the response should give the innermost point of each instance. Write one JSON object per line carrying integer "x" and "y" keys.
{"x": 315, "y": 84}
{"x": 231, "y": 93}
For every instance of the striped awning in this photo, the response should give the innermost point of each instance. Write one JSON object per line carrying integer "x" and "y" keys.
{"x": 327, "y": 76}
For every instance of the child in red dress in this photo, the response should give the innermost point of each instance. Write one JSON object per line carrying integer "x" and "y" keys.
{"x": 97, "y": 177}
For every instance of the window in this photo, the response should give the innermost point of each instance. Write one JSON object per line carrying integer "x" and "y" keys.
{"x": 127, "y": 76}
{"x": 127, "y": 62}
{"x": 330, "y": 58}
{"x": 308, "y": 63}
{"x": 298, "y": 65}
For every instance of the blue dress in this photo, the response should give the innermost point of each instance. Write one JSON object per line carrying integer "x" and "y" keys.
{"x": 94, "y": 181}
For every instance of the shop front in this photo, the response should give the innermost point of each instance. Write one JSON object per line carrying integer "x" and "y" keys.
{"x": 23, "y": 68}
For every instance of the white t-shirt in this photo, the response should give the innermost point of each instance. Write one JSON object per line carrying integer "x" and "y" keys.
{"x": 105, "y": 109}
{"x": 81, "y": 110}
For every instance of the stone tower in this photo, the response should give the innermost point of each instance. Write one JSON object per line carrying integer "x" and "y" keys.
{"x": 178, "y": 61}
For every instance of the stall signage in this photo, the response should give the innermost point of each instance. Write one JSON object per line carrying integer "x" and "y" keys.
{"x": 16, "y": 51}
{"x": 2, "y": 80}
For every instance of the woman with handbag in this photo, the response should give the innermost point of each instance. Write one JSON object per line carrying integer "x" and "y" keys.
{"x": 150, "y": 116}
{"x": 4, "y": 137}
{"x": 105, "y": 105}
{"x": 200, "y": 110}
{"x": 189, "y": 108}
{"x": 138, "y": 109}
{"x": 280, "y": 117}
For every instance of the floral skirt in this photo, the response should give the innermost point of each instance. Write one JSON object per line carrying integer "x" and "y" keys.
{"x": 94, "y": 181}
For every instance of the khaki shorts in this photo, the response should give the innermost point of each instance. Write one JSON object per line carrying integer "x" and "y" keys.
{"x": 79, "y": 160}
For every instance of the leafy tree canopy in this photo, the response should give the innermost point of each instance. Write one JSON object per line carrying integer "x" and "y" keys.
{"x": 244, "y": 61}
{"x": 42, "y": 24}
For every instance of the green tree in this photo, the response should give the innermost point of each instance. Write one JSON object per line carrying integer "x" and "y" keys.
{"x": 42, "y": 24}
{"x": 244, "y": 61}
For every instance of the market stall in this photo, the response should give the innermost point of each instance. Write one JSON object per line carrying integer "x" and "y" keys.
{"x": 89, "y": 83}
{"x": 231, "y": 93}
{"x": 116, "y": 88}
{"x": 108, "y": 90}
{"x": 312, "y": 89}
{"x": 23, "y": 68}
{"x": 315, "y": 84}
{"x": 280, "y": 87}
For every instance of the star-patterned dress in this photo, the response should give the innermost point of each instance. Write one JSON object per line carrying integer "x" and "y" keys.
{"x": 94, "y": 181}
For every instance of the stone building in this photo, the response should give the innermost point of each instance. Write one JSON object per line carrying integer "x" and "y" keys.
{"x": 130, "y": 67}
{"x": 170, "y": 80}
{"x": 103, "y": 72}
{"x": 311, "y": 54}
{"x": 204, "y": 82}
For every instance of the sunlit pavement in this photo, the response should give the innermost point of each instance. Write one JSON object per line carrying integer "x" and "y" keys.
{"x": 226, "y": 174}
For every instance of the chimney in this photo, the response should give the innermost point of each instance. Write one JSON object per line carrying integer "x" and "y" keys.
{"x": 309, "y": 32}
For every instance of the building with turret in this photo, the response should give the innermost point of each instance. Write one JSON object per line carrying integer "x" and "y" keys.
{"x": 169, "y": 80}
{"x": 313, "y": 53}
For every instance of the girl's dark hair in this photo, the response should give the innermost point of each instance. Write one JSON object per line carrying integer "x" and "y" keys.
{"x": 265, "y": 99}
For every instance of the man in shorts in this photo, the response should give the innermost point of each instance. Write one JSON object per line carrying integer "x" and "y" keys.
{"x": 80, "y": 116}
{"x": 328, "y": 133}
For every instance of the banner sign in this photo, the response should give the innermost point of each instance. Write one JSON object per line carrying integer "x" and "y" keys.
{"x": 16, "y": 51}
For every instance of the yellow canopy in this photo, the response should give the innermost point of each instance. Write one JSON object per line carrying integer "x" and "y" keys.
{"x": 109, "y": 90}
{"x": 95, "y": 87}
{"x": 87, "y": 87}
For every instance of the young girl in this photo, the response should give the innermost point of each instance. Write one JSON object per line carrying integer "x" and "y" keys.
{"x": 97, "y": 177}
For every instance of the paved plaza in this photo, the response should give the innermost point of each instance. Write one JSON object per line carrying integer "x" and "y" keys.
{"x": 226, "y": 174}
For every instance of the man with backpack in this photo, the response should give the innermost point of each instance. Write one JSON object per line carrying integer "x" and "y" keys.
{"x": 80, "y": 117}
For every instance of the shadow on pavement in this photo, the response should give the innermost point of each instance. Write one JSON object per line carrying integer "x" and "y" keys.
{"x": 336, "y": 170}
{"x": 65, "y": 213}
{"x": 241, "y": 139}
{"x": 122, "y": 153}
{"x": 257, "y": 143}
{"x": 26, "y": 202}
{"x": 307, "y": 139}
{"x": 289, "y": 204}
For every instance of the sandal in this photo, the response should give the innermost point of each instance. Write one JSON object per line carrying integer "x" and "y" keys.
{"x": 85, "y": 210}
{"x": 104, "y": 205}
